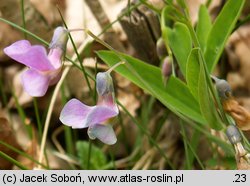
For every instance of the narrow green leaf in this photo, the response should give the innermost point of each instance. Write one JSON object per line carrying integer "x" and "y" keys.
{"x": 12, "y": 160}
{"x": 207, "y": 105}
{"x": 222, "y": 28}
{"x": 176, "y": 95}
{"x": 168, "y": 15}
{"x": 180, "y": 42}
{"x": 181, "y": 98}
{"x": 24, "y": 31}
{"x": 193, "y": 71}
{"x": 203, "y": 27}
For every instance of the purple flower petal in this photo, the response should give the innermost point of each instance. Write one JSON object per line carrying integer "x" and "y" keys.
{"x": 55, "y": 76}
{"x": 55, "y": 56}
{"x": 108, "y": 100}
{"x": 100, "y": 114}
{"x": 31, "y": 56}
{"x": 74, "y": 114}
{"x": 105, "y": 90}
{"x": 34, "y": 83}
{"x": 104, "y": 133}
{"x": 78, "y": 115}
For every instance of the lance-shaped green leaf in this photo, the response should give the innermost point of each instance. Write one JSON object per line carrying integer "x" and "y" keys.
{"x": 193, "y": 71}
{"x": 203, "y": 27}
{"x": 222, "y": 28}
{"x": 207, "y": 105}
{"x": 176, "y": 96}
{"x": 180, "y": 42}
{"x": 168, "y": 15}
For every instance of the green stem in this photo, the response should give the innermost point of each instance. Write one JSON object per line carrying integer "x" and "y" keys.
{"x": 67, "y": 130}
{"x": 23, "y": 18}
{"x": 22, "y": 153}
{"x": 89, "y": 154}
{"x": 38, "y": 120}
{"x": 183, "y": 132}
{"x": 208, "y": 3}
{"x": 95, "y": 92}
{"x": 23, "y": 116}
{"x": 150, "y": 6}
{"x": 13, "y": 161}
{"x": 25, "y": 31}
{"x": 195, "y": 155}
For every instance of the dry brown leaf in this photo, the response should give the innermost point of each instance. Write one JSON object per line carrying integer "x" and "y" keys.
{"x": 242, "y": 164}
{"x": 239, "y": 113}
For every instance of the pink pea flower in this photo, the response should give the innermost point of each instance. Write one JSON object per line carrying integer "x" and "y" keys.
{"x": 78, "y": 115}
{"x": 43, "y": 70}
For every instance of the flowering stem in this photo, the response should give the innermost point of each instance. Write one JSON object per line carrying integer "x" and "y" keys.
{"x": 21, "y": 153}
{"x": 114, "y": 66}
{"x": 23, "y": 17}
{"x": 38, "y": 119}
{"x": 12, "y": 160}
{"x": 24, "y": 30}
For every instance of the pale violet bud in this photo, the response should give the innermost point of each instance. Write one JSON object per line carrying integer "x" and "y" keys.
{"x": 233, "y": 134}
{"x": 223, "y": 88}
{"x": 161, "y": 48}
{"x": 59, "y": 39}
{"x": 166, "y": 68}
{"x": 104, "y": 83}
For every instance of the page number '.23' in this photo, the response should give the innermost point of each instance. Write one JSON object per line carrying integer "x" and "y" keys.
{"x": 240, "y": 178}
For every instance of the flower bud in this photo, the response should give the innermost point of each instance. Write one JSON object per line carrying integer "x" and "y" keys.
{"x": 161, "y": 48}
{"x": 166, "y": 67}
{"x": 223, "y": 88}
{"x": 59, "y": 39}
{"x": 105, "y": 90}
{"x": 233, "y": 134}
{"x": 104, "y": 83}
